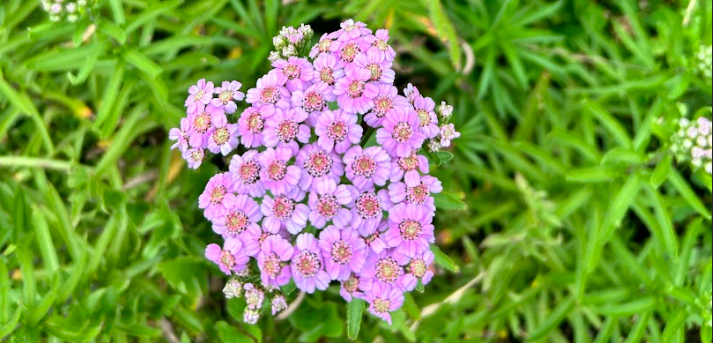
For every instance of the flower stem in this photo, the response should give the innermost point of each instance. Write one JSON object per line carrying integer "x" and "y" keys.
{"x": 32, "y": 162}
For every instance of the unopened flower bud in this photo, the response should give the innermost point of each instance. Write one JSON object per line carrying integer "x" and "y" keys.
{"x": 233, "y": 289}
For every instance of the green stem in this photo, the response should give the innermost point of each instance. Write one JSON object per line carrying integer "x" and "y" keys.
{"x": 33, "y": 162}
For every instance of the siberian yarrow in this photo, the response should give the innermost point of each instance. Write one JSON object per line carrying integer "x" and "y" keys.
{"x": 329, "y": 182}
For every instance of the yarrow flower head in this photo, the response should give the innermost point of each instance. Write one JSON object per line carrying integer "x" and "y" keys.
{"x": 692, "y": 143}
{"x": 69, "y": 10}
{"x": 704, "y": 62}
{"x": 330, "y": 181}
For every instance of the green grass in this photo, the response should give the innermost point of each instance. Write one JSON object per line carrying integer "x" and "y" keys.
{"x": 580, "y": 227}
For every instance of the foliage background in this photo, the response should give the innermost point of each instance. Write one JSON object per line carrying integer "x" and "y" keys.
{"x": 578, "y": 227}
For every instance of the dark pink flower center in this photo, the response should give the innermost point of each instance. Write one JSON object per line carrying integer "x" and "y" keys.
{"x": 287, "y": 130}
{"x": 352, "y": 284}
{"x": 292, "y": 71}
{"x": 227, "y": 259}
{"x": 324, "y": 45}
{"x": 217, "y": 195}
{"x": 249, "y": 172}
{"x": 271, "y": 266}
{"x": 337, "y": 130}
{"x": 408, "y": 163}
{"x": 236, "y": 222}
{"x": 221, "y": 136}
{"x": 225, "y": 96}
{"x": 270, "y": 95}
{"x": 410, "y": 229}
{"x": 327, "y": 206}
{"x": 307, "y": 263}
{"x": 283, "y": 207}
{"x": 341, "y": 252}
{"x": 417, "y": 194}
{"x": 402, "y": 132}
{"x": 364, "y": 165}
{"x": 387, "y": 270}
{"x": 418, "y": 267}
{"x": 375, "y": 70}
{"x": 424, "y": 117}
{"x": 382, "y": 105}
{"x": 202, "y": 122}
{"x": 349, "y": 52}
{"x": 318, "y": 163}
{"x": 355, "y": 89}
{"x": 368, "y": 205}
{"x": 255, "y": 123}
{"x": 197, "y": 155}
{"x": 313, "y": 102}
{"x": 382, "y": 305}
{"x": 327, "y": 76}
{"x": 381, "y": 44}
{"x": 277, "y": 170}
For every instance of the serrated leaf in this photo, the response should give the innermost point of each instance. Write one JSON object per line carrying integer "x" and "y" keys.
{"x": 355, "y": 310}
{"x": 443, "y": 260}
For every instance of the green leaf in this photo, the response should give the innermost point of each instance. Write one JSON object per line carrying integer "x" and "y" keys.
{"x": 663, "y": 168}
{"x": 139, "y": 330}
{"x": 143, "y": 63}
{"x": 444, "y": 156}
{"x": 637, "y": 332}
{"x": 445, "y": 29}
{"x": 112, "y": 30}
{"x": 609, "y": 122}
{"x": 449, "y": 201}
{"x": 110, "y": 94}
{"x": 186, "y": 274}
{"x": 230, "y": 334}
{"x": 443, "y": 260}
{"x": 630, "y": 308}
{"x": 44, "y": 240}
{"x": 554, "y": 319}
{"x": 592, "y": 175}
{"x": 411, "y": 307}
{"x": 687, "y": 193}
{"x": 355, "y": 311}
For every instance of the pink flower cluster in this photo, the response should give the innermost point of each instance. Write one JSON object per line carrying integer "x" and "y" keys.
{"x": 311, "y": 198}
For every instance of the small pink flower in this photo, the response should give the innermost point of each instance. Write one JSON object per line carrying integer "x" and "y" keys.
{"x": 367, "y": 167}
{"x": 380, "y": 42}
{"x": 181, "y": 135}
{"x": 313, "y": 100}
{"x": 284, "y": 212}
{"x": 384, "y": 299}
{"x": 246, "y": 173}
{"x": 200, "y": 93}
{"x": 285, "y": 128}
{"x": 354, "y": 93}
{"x": 448, "y": 133}
{"x": 270, "y": 89}
{"x": 298, "y": 72}
{"x": 194, "y": 157}
{"x": 350, "y": 30}
{"x": 244, "y": 213}
{"x": 351, "y": 288}
{"x": 273, "y": 260}
{"x": 386, "y": 100}
{"x": 317, "y": 166}
{"x": 349, "y": 50}
{"x": 411, "y": 164}
{"x": 400, "y": 134}
{"x": 428, "y": 121}
{"x": 276, "y": 174}
{"x": 201, "y": 123}
{"x": 379, "y": 69}
{"x": 325, "y": 45}
{"x": 338, "y": 130}
{"x": 344, "y": 252}
{"x": 230, "y": 259}
{"x": 307, "y": 265}
{"x": 410, "y": 229}
{"x": 327, "y": 204}
{"x": 251, "y": 125}
{"x": 327, "y": 69}
{"x": 418, "y": 268}
{"x": 384, "y": 268}
{"x": 217, "y": 198}
{"x": 228, "y": 93}
{"x": 223, "y": 137}
{"x": 416, "y": 190}
{"x": 368, "y": 210}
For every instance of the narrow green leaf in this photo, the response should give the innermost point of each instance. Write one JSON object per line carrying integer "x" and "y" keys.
{"x": 112, "y": 30}
{"x": 110, "y": 93}
{"x": 663, "y": 168}
{"x": 143, "y": 63}
{"x": 673, "y": 324}
{"x": 687, "y": 193}
{"x": 668, "y": 239}
{"x": 609, "y": 122}
{"x": 449, "y": 201}
{"x": 44, "y": 240}
{"x": 592, "y": 175}
{"x": 606, "y": 331}
{"x": 56, "y": 326}
{"x": 443, "y": 260}
{"x": 554, "y": 319}
{"x": 355, "y": 311}
{"x": 637, "y": 332}
{"x": 28, "y": 277}
{"x": 445, "y": 29}
{"x": 618, "y": 208}
{"x": 140, "y": 330}
{"x": 9, "y": 326}
{"x": 4, "y": 292}
{"x": 411, "y": 307}
{"x": 630, "y": 308}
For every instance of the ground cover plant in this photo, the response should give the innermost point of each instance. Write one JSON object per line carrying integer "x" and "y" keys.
{"x": 576, "y": 203}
